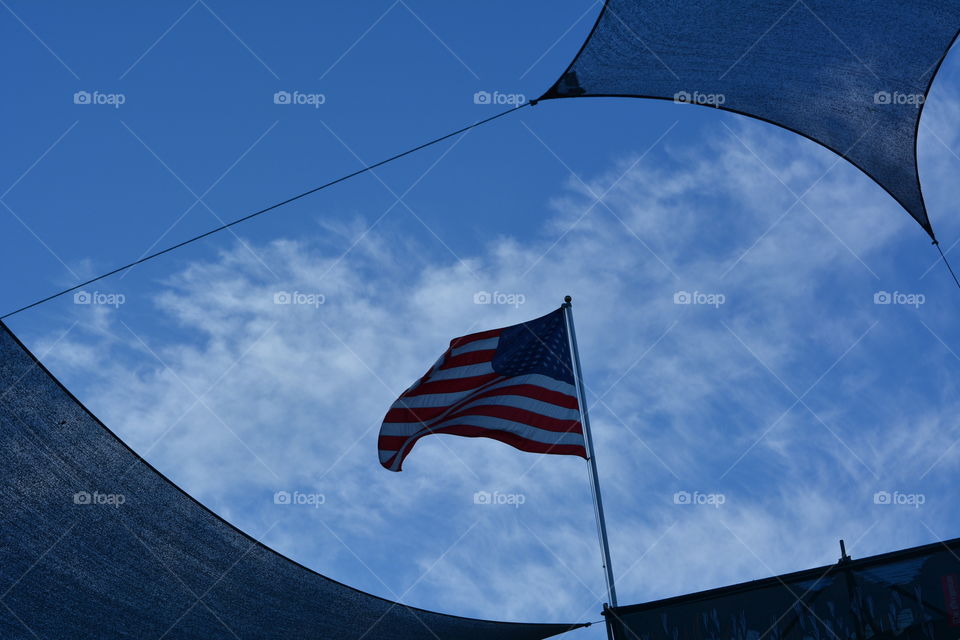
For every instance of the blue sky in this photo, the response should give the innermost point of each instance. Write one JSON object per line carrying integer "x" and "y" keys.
{"x": 797, "y": 399}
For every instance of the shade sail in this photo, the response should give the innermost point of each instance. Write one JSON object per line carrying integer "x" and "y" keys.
{"x": 852, "y": 76}
{"x": 913, "y": 594}
{"x": 95, "y": 543}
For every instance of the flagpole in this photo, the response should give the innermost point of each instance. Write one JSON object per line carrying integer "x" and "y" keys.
{"x": 591, "y": 456}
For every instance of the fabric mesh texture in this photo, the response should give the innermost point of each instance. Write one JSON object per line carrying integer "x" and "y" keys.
{"x": 160, "y": 564}
{"x": 850, "y": 75}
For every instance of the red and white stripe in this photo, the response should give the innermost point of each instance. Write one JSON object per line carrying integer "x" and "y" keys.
{"x": 462, "y": 395}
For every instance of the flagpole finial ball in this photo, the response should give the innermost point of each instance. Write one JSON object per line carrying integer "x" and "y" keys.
{"x": 567, "y": 299}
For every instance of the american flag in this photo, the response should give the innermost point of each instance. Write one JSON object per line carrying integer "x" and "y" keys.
{"x": 513, "y": 384}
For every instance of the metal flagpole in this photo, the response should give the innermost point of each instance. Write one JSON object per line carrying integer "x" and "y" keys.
{"x": 594, "y": 477}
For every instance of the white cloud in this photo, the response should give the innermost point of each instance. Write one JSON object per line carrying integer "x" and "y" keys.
{"x": 290, "y": 396}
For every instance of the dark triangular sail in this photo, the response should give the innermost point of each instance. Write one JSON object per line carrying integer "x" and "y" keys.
{"x": 95, "y": 543}
{"x": 852, "y": 76}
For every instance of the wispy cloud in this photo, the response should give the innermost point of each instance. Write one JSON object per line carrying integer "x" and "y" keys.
{"x": 778, "y": 302}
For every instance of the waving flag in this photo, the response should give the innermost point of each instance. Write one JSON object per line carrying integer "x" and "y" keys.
{"x": 515, "y": 385}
